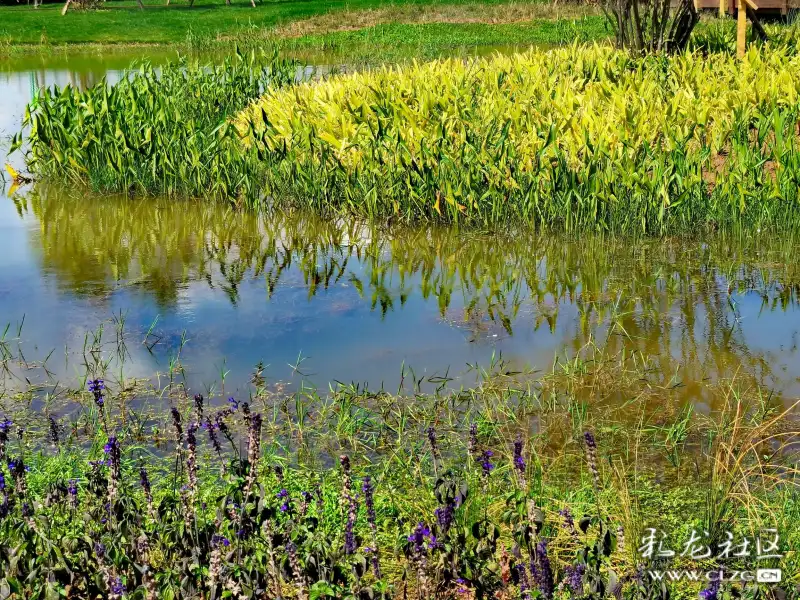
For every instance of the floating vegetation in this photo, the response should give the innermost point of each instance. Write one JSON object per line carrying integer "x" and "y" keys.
{"x": 584, "y": 137}
{"x": 159, "y": 130}
{"x": 513, "y": 489}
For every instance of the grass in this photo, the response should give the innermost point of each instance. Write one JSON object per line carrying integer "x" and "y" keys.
{"x": 123, "y": 23}
{"x": 394, "y": 42}
{"x": 268, "y": 493}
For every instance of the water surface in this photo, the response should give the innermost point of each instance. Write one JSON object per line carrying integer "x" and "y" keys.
{"x": 338, "y": 300}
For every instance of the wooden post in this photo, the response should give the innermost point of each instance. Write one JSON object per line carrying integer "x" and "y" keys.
{"x": 741, "y": 29}
{"x": 722, "y": 9}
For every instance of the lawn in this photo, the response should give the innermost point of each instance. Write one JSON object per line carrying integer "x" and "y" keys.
{"x": 123, "y": 23}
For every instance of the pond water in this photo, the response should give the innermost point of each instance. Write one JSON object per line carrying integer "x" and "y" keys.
{"x": 325, "y": 300}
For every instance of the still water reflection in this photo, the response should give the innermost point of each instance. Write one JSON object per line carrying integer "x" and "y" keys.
{"x": 359, "y": 300}
{"x": 349, "y": 301}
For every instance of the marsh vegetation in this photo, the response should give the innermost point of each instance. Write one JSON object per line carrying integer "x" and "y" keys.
{"x": 566, "y": 278}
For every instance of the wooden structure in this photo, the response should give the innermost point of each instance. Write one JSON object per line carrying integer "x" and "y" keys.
{"x": 731, "y": 6}
{"x": 742, "y": 10}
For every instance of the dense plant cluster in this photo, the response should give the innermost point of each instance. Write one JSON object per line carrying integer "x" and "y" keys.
{"x": 267, "y": 533}
{"x": 158, "y": 130}
{"x": 579, "y": 137}
{"x": 217, "y": 516}
{"x": 585, "y": 137}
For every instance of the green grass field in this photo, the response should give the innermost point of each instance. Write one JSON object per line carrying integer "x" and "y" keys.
{"x": 392, "y": 41}
{"x": 123, "y": 23}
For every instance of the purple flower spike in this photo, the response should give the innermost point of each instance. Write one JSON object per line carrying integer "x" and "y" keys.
{"x": 519, "y": 460}
{"x": 96, "y": 387}
{"x": 574, "y": 576}
{"x": 544, "y": 571}
{"x": 712, "y": 591}
{"x": 117, "y": 587}
{"x": 486, "y": 462}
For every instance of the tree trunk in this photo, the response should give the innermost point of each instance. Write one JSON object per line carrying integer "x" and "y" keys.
{"x": 66, "y": 7}
{"x": 757, "y": 27}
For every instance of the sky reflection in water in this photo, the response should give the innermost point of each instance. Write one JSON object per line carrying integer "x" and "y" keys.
{"x": 358, "y": 301}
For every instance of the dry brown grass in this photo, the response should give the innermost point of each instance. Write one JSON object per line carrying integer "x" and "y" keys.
{"x": 513, "y": 12}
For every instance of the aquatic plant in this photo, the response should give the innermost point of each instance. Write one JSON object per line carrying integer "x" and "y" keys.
{"x": 584, "y": 137}
{"x": 158, "y": 130}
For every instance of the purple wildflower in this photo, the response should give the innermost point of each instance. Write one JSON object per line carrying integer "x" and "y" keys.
{"x": 198, "y": 407}
{"x": 176, "y": 423}
{"x": 544, "y": 571}
{"x": 253, "y": 451}
{"x": 350, "y": 500}
{"x": 211, "y": 428}
{"x": 191, "y": 461}
{"x": 591, "y": 458}
{"x": 219, "y": 420}
{"x": 305, "y": 502}
{"x": 218, "y": 540}
{"x": 462, "y": 583}
{"x": 574, "y": 576}
{"x": 473, "y": 439}
{"x": 569, "y": 520}
{"x": 486, "y": 462}
{"x": 712, "y": 591}
{"x": 96, "y": 387}
{"x": 18, "y": 470}
{"x": 431, "y": 431}
{"x": 5, "y": 425}
{"x": 283, "y": 495}
{"x": 144, "y": 479}
{"x": 297, "y": 571}
{"x": 524, "y": 585}
{"x": 519, "y": 460}
{"x": 117, "y": 587}
{"x": 54, "y": 430}
{"x": 417, "y": 537}
{"x": 369, "y": 501}
{"x": 72, "y": 491}
{"x": 114, "y": 461}
{"x": 444, "y": 516}
{"x": 234, "y": 404}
